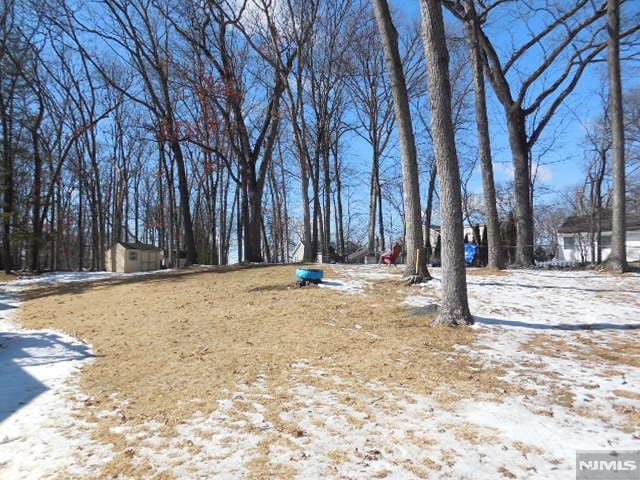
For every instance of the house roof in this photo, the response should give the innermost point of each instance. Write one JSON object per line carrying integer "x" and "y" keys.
{"x": 582, "y": 223}
{"x": 139, "y": 246}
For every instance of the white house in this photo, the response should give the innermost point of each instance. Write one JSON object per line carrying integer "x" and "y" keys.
{"x": 298, "y": 253}
{"x": 574, "y": 238}
{"x": 354, "y": 253}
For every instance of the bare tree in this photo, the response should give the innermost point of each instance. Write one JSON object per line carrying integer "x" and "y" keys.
{"x": 455, "y": 308}
{"x": 416, "y": 257}
{"x": 617, "y": 260}
{"x": 495, "y": 257}
{"x": 570, "y": 40}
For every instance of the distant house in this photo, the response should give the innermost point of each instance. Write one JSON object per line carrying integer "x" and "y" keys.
{"x": 132, "y": 257}
{"x": 297, "y": 255}
{"x": 574, "y": 237}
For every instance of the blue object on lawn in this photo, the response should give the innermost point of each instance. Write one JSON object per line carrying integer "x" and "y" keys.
{"x": 310, "y": 274}
{"x": 470, "y": 250}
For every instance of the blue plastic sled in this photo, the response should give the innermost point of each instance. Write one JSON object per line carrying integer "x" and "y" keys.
{"x": 310, "y": 274}
{"x": 470, "y": 250}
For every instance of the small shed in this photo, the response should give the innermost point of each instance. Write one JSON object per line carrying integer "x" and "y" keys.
{"x": 132, "y": 257}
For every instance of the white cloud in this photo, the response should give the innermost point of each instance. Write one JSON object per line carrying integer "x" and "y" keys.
{"x": 504, "y": 169}
{"x": 543, "y": 173}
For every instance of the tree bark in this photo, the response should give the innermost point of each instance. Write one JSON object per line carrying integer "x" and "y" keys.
{"x": 338, "y": 209}
{"x": 429, "y": 211}
{"x": 617, "y": 260}
{"x": 455, "y": 308}
{"x": 185, "y": 206}
{"x": 410, "y": 180}
{"x": 522, "y": 186}
{"x": 495, "y": 257}
{"x": 373, "y": 203}
{"x": 36, "y": 240}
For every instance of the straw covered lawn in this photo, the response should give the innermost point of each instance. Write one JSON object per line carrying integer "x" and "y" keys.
{"x": 237, "y": 373}
{"x": 173, "y": 345}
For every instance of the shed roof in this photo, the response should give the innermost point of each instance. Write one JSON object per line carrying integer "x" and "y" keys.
{"x": 582, "y": 223}
{"x": 139, "y": 246}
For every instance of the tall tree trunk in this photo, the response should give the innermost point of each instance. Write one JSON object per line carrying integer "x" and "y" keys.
{"x": 253, "y": 223}
{"x": 523, "y": 207}
{"x": 317, "y": 209}
{"x": 380, "y": 212}
{"x": 136, "y": 207}
{"x": 81, "y": 213}
{"x": 307, "y": 240}
{"x": 285, "y": 212}
{"x": 410, "y": 179}
{"x": 7, "y": 210}
{"x": 495, "y": 258}
{"x": 95, "y": 235}
{"x": 173, "y": 253}
{"x": 338, "y": 208}
{"x": 428, "y": 248}
{"x": 36, "y": 240}
{"x": 373, "y": 204}
{"x": 240, "y": 214}
{"x": 59, "y": 227}
{"x": 222, "y": 216}
{"x": 185, "y": 207}
{"x": 617, "y": 260}
{"x": 326, "y": 227}
{"x": 455, "y": 308}
{"x": 598, "y": 205}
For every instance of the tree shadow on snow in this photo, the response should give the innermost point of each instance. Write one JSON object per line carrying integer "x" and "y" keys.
{"x": 333, "y": 283}
{"x": 20, "y": 351}
{"x": 559, "y": 326}
{"x": 6, "y": 306}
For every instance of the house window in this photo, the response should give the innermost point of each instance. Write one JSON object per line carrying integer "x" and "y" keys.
{"x": 133, "y": 256}
{"x": 568, "y": 243}
{"x": 605, "y": 241}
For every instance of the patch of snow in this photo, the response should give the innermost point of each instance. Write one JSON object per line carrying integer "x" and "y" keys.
{"x": 39, "y": 434}
{"x": 56, "y": 278}
{"x": 351, "y": 287}
{"x": 354, "y": 279}
{"x": 576, "y": 308}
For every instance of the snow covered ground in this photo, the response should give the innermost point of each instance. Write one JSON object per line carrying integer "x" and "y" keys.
{"x": 557, "y": 333}
{"x": 544, "y": 325}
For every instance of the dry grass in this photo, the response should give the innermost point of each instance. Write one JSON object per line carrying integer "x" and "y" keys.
{"x": 169, "y": 345}
{"x": 7, "y": 277}
{"x": 614, "y": 353}
{"x": 631, "y": 417}
{"x": 627, "y": 394}
{"x": 506, "y": 472}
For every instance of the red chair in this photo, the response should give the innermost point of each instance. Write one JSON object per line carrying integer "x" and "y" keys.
{"x": 388, "y": 258}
